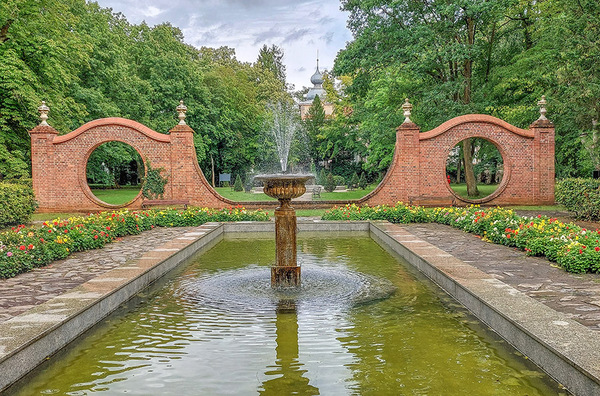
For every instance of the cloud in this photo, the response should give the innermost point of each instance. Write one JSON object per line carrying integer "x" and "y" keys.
{"x": 152, "y": 11}
{"x": 267, "y": 35}
{"x": 327, "y": 37}
{"x": 295, "y": 35}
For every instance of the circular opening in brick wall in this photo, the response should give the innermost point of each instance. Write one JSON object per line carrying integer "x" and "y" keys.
{"x": 114, "y": 172}
{"x": 484, "y": 167}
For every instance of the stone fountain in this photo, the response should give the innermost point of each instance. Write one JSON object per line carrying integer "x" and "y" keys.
{"x": 285, "y": 187}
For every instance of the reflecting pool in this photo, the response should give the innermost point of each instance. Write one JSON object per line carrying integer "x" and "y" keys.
{"x": 202, "y": 331}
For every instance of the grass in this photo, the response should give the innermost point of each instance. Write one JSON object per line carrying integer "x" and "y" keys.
{"x": 484, "y": 190}
{"x": 117, "y": 196}
{"x": 242, "y": 196}
{"x": 346, "y": 195}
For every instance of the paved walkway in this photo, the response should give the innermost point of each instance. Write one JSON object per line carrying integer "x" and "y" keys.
{"x": 24, "y": 291}
{"x": 576, "y": 295}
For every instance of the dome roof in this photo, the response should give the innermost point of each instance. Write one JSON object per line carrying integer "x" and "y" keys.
{"x": 317, "y": 78}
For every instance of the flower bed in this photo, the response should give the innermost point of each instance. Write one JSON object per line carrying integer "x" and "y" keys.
{"x": 574, "y": 248}
{"x": 24, "y": 248}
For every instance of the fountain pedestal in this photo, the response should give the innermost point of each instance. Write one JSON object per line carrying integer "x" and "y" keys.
{"x": 286, "y": 271}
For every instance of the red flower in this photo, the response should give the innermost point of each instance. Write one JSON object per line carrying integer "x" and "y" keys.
{"x": 108, "y": 228}
{"x": 597, "y": 249}
{"x": 95, "y": 236}
{"x": 580, "y": 251}
{"x": 49, "y": 230}
{"x": 22, "y": 247}
{"x": 30, "y": 246}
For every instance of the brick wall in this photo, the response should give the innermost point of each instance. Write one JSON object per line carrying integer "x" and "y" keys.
{"x": 417, "y": 174}
{"x": 418, "y": 171}
{"x": 59, "y": 162}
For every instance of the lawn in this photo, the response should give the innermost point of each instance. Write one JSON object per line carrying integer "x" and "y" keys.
{"x": 241, "y": 196}
{"x": 484, "y": 190}
{"x": 117, "y": 196}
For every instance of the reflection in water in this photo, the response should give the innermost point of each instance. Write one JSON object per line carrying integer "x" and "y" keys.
{"x": 190, "y": 339}
{"x": 288, "y": 369}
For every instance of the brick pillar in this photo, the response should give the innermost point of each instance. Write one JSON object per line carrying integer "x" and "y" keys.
{"x": 183, "y": 156}
{"x": 43, "y": 167}
{"x": 406, "y": 177}
{"x": 543, "y": 178}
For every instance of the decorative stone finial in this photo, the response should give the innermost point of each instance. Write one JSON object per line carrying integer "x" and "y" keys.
{"x": 43, "y": 109}
{"x": 407, "y": 107}
{"x": 542, "y": 104}
{"x": 181, "y": 109}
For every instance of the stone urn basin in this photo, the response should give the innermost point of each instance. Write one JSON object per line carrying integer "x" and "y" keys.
{"x": 286, "y": 271}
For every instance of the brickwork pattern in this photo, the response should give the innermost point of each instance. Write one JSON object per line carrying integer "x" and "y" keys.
{"x": 417, "y": 174}
{"x": 59, "y": 163}
{"x": 418, "y": 171}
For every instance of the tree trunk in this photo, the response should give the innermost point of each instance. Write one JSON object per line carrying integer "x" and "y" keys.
{"x": 212, "y": 164}
{"x": 458, "y": 166}
{"x": 472, "y": 190}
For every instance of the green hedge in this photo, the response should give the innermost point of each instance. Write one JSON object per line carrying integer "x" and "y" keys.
{"x": 574, "y": 248}
{"x": 24, "y": 248}
{"x": 17, "y": 203}
{"x": 580, "y": 196}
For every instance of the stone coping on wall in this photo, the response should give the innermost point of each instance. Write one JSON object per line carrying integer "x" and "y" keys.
{"x": 568, "y": 351}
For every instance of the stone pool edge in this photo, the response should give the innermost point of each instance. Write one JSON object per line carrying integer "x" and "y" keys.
{"x": 566, "y": 350}
{"x": 32, "y": 337}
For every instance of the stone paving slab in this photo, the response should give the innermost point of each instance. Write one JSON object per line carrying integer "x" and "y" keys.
{"x": 576, "y": 295}
{"x": 27, "y": 290}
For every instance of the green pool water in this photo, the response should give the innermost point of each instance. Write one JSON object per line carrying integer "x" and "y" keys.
{"x": 174, "y": 340}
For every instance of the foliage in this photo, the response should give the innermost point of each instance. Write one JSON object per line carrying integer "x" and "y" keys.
{"x": 24, "y": 248}
{"x": 114, "y": 164}
{"x": 574, "y": 248}
{"x": 353, "y": 182}
{"x": 154, "y": 182}
{"x": 362, "y": 181}
{"x": 580, "y": 196}
{"x": 17, "y": 203}
{"x": 494, "y": 57}
{"x": 238, "y": 185}
{"x": 87, "y": 62}
{"x": 322, "y": 177}
{"x": 330, "y": 184}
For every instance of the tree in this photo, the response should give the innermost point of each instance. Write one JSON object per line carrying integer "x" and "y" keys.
{"x": 329, "y": 183}
{"x": 271, "y": 59}
{"x": 238, "y": 185}
{"x": 313, "y": 125}
{"x": 362, "y": 181}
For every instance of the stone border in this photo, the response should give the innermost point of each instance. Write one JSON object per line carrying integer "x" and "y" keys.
{"x": 27, "y": 340}
{"x": 568, "y": 351}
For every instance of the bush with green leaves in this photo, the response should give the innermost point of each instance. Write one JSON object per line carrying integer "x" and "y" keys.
{"x": 17, "y": 203}
{"x": 362, "y": 181}
{"x": 322, "y": 177}
{"x": 23, "y": 248}
{"x": 154, "y": 182}
{"x": 353, "y": 182}
{"x": 329, "y": 185}
{"x": 238, "y": 185}
{"x": 580, "y": 196}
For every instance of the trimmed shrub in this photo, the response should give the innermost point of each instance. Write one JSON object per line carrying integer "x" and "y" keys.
{"x": 362, "y": 181}
{"x": 330, "y": 184}
{"x": 580, "y": 196}
{"x": 339, "y": 180}
{"x": 322, "y": 177}
{"x": 154, "y": 183}
{"x": 17, "y": 203}
{"x": 238, "y": 186}
{"x": 353, "y": 182}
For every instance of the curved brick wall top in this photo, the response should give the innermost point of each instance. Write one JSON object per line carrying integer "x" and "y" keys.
{"x": 117, "y": 121}
{"x": 474, "y": 118}
{"x": 417, "y": 174}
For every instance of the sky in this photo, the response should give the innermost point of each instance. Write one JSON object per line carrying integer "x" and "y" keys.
{"x": 299, "y": 27}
